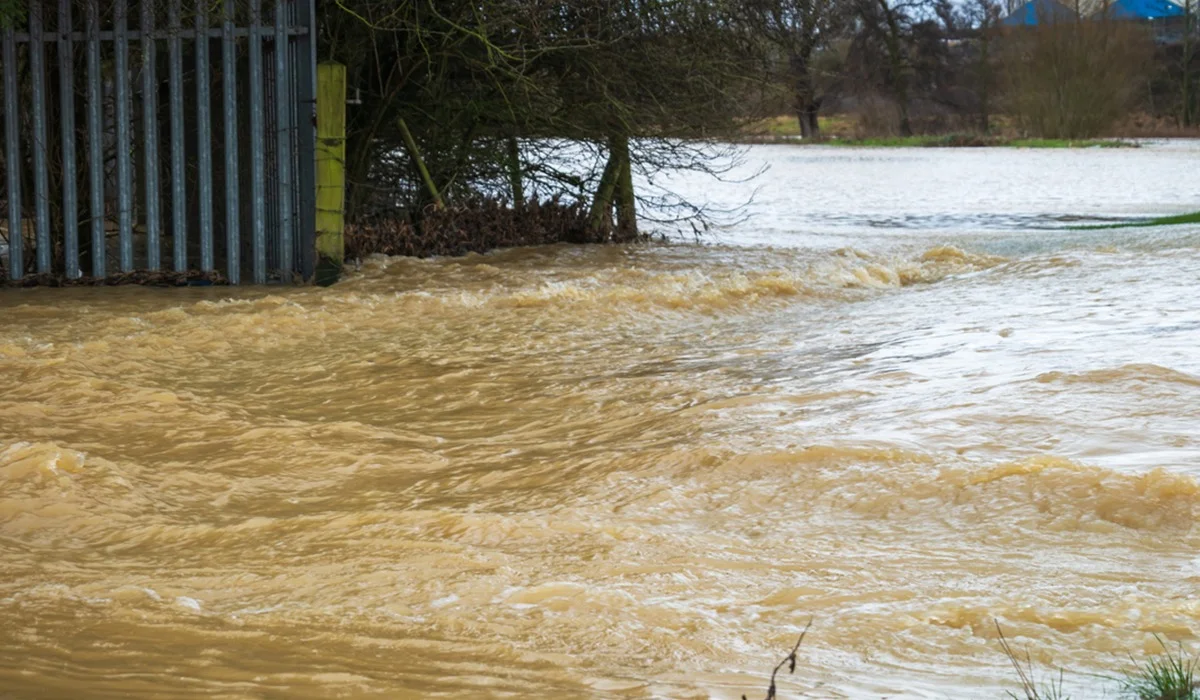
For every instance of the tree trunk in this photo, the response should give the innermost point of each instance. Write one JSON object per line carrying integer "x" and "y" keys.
{"x": 905, "y": 123}
{"x": 984, "y": 75}
{"x": 515, "y": 174}
{"x": 806, "y": 102}
{"x": 627, "y": 228}
{"x": 898, "y": 65}
{"x": 1187, "y": 97}
{"x": 414, "y": 154}
{"x": 600, "y": 216}
{"x": 810, "y": 126}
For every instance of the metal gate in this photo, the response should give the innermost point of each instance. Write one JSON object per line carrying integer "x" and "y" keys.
{"x": 160, "y": 135}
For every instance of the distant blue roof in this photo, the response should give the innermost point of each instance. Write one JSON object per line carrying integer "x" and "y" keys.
{"x": 1036, "y": 12}
{"x": 1143, "y": 9}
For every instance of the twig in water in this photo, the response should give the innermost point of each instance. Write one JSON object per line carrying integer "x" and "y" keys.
{"x": 790, "y": 660}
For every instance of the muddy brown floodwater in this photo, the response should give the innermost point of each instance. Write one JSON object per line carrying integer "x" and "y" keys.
{"x": 902, "y": 399}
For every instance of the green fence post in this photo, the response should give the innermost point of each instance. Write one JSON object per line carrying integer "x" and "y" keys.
{"x": 331, "y": 171}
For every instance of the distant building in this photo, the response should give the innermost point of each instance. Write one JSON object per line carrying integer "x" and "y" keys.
{"x": 1035, "y": 12}
{"x": 1166, "y": 18}
{"x": 1147, "y": 10}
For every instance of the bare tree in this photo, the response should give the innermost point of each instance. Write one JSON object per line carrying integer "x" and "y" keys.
{"x": 984, "y": 15}
{"x": 798, "y": 30}
{"x": 460, "y": 97}
{"x": 1186, "y": 79}
{"x": 891, "y": 23}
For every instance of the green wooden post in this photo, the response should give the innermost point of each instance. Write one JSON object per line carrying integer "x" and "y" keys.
{"x": 331, "y": 171}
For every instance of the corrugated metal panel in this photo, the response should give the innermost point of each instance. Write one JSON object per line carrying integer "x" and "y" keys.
{"x": 123, "y": 66}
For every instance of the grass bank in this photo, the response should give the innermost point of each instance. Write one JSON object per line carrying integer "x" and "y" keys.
{"x": 978, "y": 141}
{"x": 1192, "y": 218}
{"x": 840, "y": 130}
{"x": 944, "y": 141}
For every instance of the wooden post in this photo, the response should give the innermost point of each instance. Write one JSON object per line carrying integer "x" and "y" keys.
{"x": 331, "y": 171}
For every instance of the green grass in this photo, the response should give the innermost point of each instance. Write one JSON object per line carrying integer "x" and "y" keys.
{"x": 1068, "y": 143}
{"x": 1192, "y": 218}
{"x": 839, "y": 129}
{"x": 978, "y": 140}
{"x": 1168, "y": 676}
{"x": 933, "y": 141}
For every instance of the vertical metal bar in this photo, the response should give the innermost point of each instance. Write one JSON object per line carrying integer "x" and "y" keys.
{"x": 204, "y": 138}
{"x": 257, "y": 146}
{"x": 283, "y": 140}
{"x": 229, "y": 81}
{"x": 296, "y": 109}
{"x": 66, "y": 91}
{"x": 124, "y": 169}
{"x": 150, "y": 136}
{"x": 178, "y": 189}
{"x": 95, "y": 139}
{"x": 41, "y": 181}
{"x": 306, "y": 135}
{"x": 12, "y": 158}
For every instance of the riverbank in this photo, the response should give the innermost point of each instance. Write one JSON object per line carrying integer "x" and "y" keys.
{"x": 956, "y": 140}
{"x": 841, "y": 130}
{"x": 978, "y": 141}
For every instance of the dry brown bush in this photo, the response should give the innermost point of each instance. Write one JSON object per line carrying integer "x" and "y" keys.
{"x": 478, "y": 225}
{"x": 1074, "y": 79}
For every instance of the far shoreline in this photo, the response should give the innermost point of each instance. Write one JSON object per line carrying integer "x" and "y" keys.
{"x": 954, "y": 140}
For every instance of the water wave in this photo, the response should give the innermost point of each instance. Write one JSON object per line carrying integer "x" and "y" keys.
{"x": 719, "y": 286}
{"x": 1137, "y": 372}
{"x": 1049, "y": 493}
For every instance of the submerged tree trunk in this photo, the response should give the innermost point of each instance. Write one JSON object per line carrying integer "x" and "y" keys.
{"x": 627, "y": 228}
{"x": 600, "y": 216}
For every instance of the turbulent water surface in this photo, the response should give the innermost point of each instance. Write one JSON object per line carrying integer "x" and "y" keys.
{"x": 901, "y": 399}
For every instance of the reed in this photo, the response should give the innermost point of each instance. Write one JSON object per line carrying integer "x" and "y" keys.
{"x": 1170, "y": 675}
{"x": 1030, "y": 688}
{"x": 1167, "y": 676}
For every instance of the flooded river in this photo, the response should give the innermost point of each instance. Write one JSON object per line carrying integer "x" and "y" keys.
{"x": 901, "y": 399}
